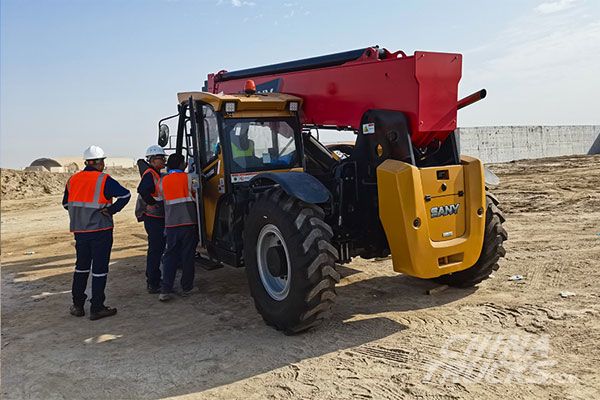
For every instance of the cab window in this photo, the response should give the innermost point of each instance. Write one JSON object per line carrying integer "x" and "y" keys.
{"x": 211, "y": 135}
{"x": 261, "y": 144}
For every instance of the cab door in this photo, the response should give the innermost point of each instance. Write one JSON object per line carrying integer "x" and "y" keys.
{"x": 211, "y": 161}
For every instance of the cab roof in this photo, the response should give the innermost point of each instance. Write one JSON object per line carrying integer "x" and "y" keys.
{"x": 277, "y": 102}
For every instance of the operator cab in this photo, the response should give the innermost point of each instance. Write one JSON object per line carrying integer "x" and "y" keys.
{"x": 228, "y": 140}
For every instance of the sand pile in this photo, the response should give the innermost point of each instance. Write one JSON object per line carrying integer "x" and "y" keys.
{"x": 551, "y": 184}
{"x": 24, "y": 184}
{"x": 27, "y": 184}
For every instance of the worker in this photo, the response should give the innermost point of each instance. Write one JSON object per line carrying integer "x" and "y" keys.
{"x": 241, "y": 145}
{"x": 150, "y": 210}
{"x": 181, "y": 227}
{"x": 88, "y": 198}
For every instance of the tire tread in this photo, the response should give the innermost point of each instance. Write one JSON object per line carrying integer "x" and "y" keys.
{"x": 491, "y": 252}
{"x": 314, "y": 236}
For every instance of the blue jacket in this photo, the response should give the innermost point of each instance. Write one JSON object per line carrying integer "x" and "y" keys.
{"x": 146, "y": 188}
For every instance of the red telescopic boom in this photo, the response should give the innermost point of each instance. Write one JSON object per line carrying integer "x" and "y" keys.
{"x": 338, "y": 89}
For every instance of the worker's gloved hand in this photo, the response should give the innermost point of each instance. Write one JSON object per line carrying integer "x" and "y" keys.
{"x": 106, "y": 212}
{"x": 156, "y": 206}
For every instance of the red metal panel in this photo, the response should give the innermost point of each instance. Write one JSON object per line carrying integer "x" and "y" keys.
{"x": 423, "y": 86}
{"x": 438, "y": 75}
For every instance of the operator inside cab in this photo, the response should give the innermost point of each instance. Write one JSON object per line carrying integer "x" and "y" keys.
{"x": 261, "y": 145}
{"x": 242, "y": 147}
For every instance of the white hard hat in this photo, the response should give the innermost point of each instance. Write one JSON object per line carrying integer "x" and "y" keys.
{"x": 155, "y": 150}
{"x": 93, "y": 153}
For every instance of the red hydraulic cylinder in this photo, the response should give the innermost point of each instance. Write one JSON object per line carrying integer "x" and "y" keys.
{"x": 472, "y": 98}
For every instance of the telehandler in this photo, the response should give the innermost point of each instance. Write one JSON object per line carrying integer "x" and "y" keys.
{"x": 275, "y": 200}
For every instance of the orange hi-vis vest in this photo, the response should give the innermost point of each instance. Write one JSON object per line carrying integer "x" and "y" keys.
{"x": 156, "y": 211}
{"x": 180, "y": 207}
{"x": 86, "y": 198}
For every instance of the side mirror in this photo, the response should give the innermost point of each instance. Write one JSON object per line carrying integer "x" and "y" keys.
{"x": 163, "y": 135}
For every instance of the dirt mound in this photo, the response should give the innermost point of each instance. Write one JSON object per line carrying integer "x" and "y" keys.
{"x": 550, "y": 184}
{"x": 27, "y": 184}
{"x": 24, "y": 184}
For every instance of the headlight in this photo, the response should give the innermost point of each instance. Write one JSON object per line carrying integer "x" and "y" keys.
{"x": 230, "y": 107}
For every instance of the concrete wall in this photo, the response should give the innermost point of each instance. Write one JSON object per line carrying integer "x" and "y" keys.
{"x": 73, "y": 164}
{"x": 507, "y": 143}
{"x": 58, "y": 169}
{"x": 49, "y": 169}
{"x": 76, "y": 163}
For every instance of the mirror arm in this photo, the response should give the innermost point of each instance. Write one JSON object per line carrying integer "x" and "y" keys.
{"x": 180, "y": 129}
{"x": 160, "y": 123}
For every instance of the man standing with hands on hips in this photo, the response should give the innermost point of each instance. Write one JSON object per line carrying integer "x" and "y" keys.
{"x": 88, "y": 198}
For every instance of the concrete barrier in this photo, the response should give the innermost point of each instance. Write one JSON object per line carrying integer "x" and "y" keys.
{"x": 507, "y": 143}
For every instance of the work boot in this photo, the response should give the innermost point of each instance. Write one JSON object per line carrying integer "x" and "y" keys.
{"x": 103, "y": 312}
{"x": 77, "y": 311}
{"x": 164, "y": 297}
{"x": 153, "y": 290}
{"x": 186, "y": 293}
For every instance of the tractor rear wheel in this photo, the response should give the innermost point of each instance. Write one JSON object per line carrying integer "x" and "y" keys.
{"x": 290, "y": 262}
{"x": 491, "y": 251}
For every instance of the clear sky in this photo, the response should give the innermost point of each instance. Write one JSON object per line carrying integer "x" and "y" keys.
{"x": 75, "y": 73}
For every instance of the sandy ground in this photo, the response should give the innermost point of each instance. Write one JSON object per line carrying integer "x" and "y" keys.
{"x": 387, "y": 339}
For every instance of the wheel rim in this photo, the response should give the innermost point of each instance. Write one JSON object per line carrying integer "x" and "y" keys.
{"x": 275, "y": 278}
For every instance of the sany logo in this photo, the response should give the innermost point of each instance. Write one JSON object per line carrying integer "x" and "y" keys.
{"x": 444, "y": 210}
{"x": 270, "y": 86}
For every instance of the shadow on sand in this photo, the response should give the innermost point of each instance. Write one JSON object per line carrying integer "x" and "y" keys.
{"x": 153, "y": 350}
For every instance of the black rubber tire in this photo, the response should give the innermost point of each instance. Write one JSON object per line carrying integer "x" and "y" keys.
{"x": 491, "y": 251}
{"x": 312, "y": 258}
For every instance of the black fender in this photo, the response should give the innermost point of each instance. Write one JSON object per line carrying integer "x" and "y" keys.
{"x": 300, "y": 185}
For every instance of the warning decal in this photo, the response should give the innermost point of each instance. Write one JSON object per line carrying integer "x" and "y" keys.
{"x": 368, "y": 129}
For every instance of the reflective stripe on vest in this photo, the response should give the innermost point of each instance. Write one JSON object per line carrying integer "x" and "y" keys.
{"x": 86, "y": 198}
{"x": 157, "y": 210}
{"x": 180, "y": 208}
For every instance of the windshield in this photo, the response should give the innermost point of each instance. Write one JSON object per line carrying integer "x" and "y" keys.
{"x": 261, "y": 144}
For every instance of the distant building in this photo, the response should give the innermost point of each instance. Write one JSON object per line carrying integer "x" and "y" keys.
{"x": 45, "y": 164}
{"x": 73, "y": 164}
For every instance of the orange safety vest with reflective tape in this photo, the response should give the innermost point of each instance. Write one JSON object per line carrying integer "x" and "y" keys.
{"x": 180, "y": 207}
{"x": 156, "y": 211}
{"x": 85, "y": 200}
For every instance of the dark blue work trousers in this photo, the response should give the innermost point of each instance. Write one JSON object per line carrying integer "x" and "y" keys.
{"x": 180, "y": 250}
{"x": 155, "y": 228}
{"x": 93, "y": 254}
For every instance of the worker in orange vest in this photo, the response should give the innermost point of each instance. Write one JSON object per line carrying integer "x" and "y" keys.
{"x": 150, "y": 209}
{"x": 181, "y": 227}
{"x": 88, "y": 198}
